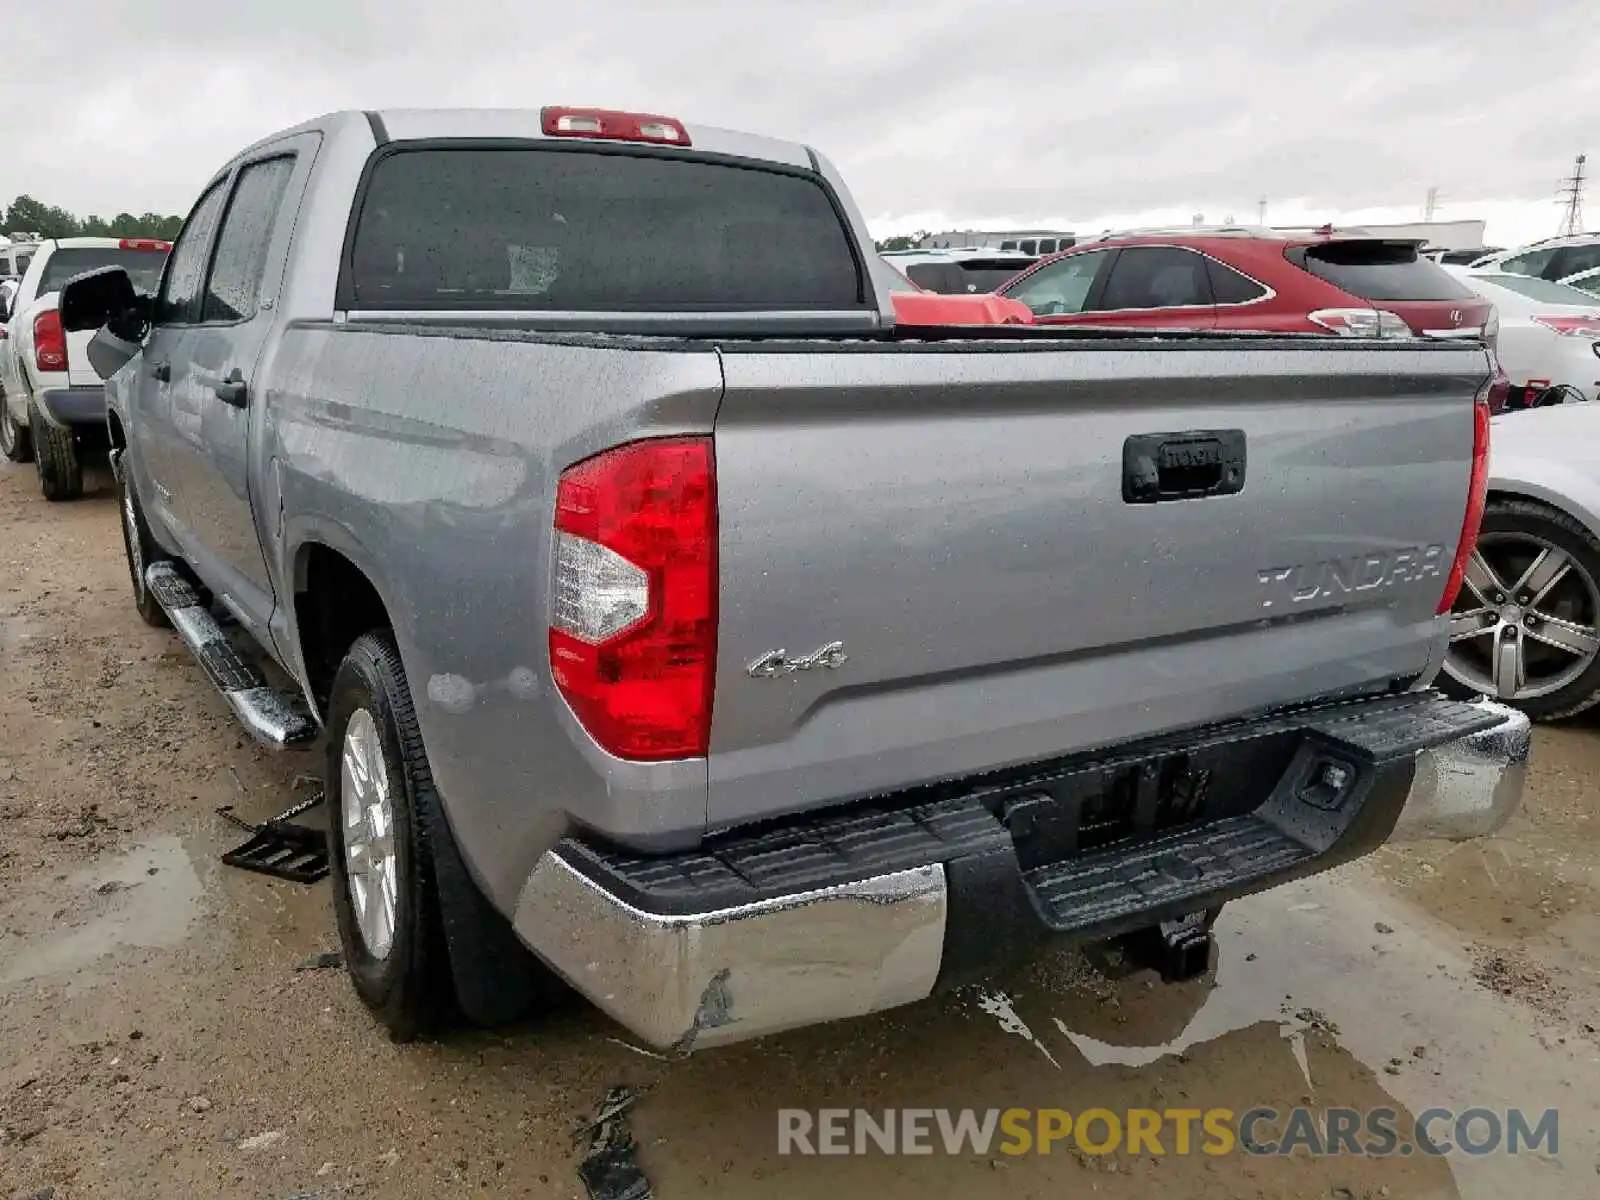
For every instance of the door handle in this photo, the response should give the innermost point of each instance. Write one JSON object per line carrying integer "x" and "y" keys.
{"x": 1183, "y": 466}
{"x": 162, "y": 371}
{"x": 232, "y": 390}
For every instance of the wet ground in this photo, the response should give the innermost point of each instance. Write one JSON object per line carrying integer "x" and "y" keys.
{"x": 157, "y": 1038}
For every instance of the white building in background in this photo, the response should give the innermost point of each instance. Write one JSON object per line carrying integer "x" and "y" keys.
{"x": 1029, "y": 241}
{"x": 1436, "y": 235}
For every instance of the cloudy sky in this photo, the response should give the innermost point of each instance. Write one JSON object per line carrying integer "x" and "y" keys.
{"x": 941, "y": 113}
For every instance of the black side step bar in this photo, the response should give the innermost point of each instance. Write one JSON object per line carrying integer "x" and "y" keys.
{"x": 273, "y": 718}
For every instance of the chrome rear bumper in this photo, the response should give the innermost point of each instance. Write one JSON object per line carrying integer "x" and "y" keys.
{"x": 692, "y": 979}
{"x": 1468, "y": 788}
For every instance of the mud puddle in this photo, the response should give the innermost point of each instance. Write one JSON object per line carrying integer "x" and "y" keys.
{"x": 149, "y": 898}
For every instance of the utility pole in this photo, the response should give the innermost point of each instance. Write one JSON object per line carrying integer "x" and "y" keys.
{"x": 1432, "y": 203}
{"x": 1261, "y": 211}
{"x": 1572, "y": 199}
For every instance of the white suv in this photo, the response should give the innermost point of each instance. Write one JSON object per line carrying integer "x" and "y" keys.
{"x": 51, "y": 400}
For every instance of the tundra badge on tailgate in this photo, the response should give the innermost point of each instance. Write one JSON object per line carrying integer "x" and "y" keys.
{"x": 1304, "y": 582}
{"x": 778, "y": 662}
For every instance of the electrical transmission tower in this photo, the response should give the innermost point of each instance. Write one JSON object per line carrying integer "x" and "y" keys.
{"x": 1431, "y": 205}
{"x": 1572, "y": 199}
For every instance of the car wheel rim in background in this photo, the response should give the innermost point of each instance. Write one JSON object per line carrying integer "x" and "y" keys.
{"x": 371, "y": 868}
{"x": 1527, "y": 621}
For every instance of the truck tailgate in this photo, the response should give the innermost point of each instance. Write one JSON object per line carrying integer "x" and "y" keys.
{"x": 954, "y": 518}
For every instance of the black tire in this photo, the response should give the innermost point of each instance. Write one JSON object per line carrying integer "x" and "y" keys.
{"x": 16, "y": 441}
{"x": 56, "y": 454}
{"x": 140, "y": 550}
{"x": 1505, "y": 515}
{"x": 409, "y": 989}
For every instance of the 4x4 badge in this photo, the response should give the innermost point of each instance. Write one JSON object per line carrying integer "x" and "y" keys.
{"x": 778, "y": 662}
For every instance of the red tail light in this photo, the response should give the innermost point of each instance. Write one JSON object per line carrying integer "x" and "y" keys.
{"x": 613, "y": 126}
{"x": 144, "y": 244}
{"x": 1587, "y": 327}
{"x": 49, "y": 342}
{"x": 633, "y": 627}
{"x": 1477, "y": 497}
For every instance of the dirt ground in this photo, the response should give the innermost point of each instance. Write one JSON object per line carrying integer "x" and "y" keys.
{"x": 157, "y": 1038}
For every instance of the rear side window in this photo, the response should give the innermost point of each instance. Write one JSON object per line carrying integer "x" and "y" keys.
{"x": 1230, "y": 287}
{"x": 1381, "y": 271}
{"x": 1532, "y": 263}
{"x": 232, "y": 292}
{"x": 1574, "y": 260}
{"x": 586, "y": 231}
{"x": 1157, "y": 277}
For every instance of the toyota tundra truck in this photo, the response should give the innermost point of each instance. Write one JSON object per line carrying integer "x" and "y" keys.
{"x": 673, "y": 622}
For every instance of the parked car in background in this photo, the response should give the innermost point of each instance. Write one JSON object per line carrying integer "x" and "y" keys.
{"x": 1526, "y": 627}
{"x": 52, "y": 404}
{"x": 919, "y": 306}
{"x": 14, "y": 258}
{"x": 1549, "y": 335}
{"x": 1252, "y": 279}
{"x": 1553, "y": 258}
{"x": 659, "y": 604}
{"x": 959, "y": 272}
{"x": 1459, "y": 258}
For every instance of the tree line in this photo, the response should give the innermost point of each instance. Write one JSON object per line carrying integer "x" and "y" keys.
{"x": 25, "y": 215}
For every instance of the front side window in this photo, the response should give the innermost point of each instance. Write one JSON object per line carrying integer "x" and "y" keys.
{"x": 1531, "y": 263}
{"x": 179, "y": 302}
{"x": 1060, "y": 288}
{"x": 1157, "y": 277}
{"x": 232, "y": 291}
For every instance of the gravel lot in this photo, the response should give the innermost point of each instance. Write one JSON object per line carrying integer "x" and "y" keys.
{"x": 156, "y": 1038}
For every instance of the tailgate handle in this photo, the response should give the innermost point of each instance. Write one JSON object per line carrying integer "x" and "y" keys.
{"x": 1182, "y": 466}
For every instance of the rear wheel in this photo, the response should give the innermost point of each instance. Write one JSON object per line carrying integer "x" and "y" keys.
{"x": 57, "y": 456}
{"x": 384, "y": 893}
{"x": 16, "y": 441}
{"x": 1526, "y": 626}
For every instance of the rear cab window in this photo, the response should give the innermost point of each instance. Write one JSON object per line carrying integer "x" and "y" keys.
{"x": 1374, "y": 270}
{"x": 459, "y": 227}
{"x": 966, "y": 275}
{"x": 143, "y": 266}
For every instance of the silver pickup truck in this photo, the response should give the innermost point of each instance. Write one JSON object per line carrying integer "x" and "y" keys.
{"x": 665, "y": 611}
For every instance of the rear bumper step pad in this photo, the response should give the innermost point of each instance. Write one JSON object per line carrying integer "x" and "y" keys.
{"x": 272, "y": 716}
{"x": 857, "y": 910}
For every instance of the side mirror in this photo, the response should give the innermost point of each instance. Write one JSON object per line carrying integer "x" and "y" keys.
{"x": 105, "y": 301}
{"x": 95, "y": 298}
